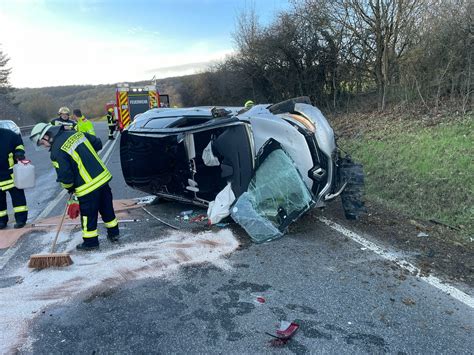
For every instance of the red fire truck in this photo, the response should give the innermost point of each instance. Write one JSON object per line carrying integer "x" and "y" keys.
{"x": 132, "y": 100}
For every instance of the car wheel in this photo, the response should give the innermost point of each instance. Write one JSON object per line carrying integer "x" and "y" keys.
{"x": 353, "y": 195}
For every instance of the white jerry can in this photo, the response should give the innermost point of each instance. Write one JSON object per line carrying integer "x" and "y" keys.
{"x": 24, "y": 174}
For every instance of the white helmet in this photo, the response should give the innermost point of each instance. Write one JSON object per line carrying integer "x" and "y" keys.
{"x": 38, "y": 132}
{"x": 65, "y": 110}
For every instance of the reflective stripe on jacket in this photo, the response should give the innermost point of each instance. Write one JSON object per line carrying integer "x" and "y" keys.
{"x": 60, "y": 122}
{"x": 78, "y": 166}
{"x": 11, "y": 148}
{"x": 110, "y": 119}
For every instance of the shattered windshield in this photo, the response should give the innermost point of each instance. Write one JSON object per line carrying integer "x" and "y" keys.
{"x": 276, "y": 196}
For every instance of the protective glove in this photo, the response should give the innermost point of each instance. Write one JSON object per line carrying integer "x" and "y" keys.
{"x": 71, "y": 190}
{"x": 73, "y": 208}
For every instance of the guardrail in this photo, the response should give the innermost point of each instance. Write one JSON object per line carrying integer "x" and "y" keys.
{"x": 26, "y": 129}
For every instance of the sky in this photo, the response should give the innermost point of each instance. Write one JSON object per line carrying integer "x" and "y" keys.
{"x": 80, "y": 42}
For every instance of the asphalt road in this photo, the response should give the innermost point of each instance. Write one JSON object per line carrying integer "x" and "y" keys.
{"x": 197, "y": 290}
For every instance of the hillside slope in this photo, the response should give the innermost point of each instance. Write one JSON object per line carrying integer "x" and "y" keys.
{"x": 10, "y": 111}
{"x": 89, "y": 98}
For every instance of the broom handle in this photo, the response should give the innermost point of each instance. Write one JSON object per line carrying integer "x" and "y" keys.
{"x": 53, "y": 246}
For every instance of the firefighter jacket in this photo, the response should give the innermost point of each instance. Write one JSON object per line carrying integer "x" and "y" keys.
{"x": 85, "y": 126}
{"x": 68, "y": 124}
{"x": 11, "y": 149}
{"x": 79, "y": 168}
{"x": 111, "y": 120}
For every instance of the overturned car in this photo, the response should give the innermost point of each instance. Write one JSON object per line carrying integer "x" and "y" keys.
{"x": 265, "y": 166}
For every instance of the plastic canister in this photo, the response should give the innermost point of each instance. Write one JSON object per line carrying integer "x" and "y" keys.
{"x": 24, "y": 174}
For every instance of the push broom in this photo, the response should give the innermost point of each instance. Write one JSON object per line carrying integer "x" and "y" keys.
{"x": 43, "y": 261}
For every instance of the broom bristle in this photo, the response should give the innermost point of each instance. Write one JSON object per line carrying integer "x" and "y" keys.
{"x": 42, "y": 261}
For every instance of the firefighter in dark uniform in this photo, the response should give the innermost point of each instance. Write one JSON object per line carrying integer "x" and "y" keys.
{"x": 11, "y": 150}
{"x": 63, "y": 119}
{"x": 111, "y": 122}
{"x": 82, "y": 172}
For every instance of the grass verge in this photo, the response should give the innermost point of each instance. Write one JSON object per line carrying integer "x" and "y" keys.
{"x": 422, "y": 171}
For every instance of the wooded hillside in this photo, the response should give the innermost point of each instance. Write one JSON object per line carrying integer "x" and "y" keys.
{"x": 373, "y": 53}
{"x": 344, "y": 54}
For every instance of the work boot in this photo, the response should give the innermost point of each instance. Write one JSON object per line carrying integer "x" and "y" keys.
{"x": 113, "y": 237}
{"x": 3, "y": 225}
{"x": 111, "y": 138}
{"x": 88, "y": 244}
{"x": 18, "y": 225}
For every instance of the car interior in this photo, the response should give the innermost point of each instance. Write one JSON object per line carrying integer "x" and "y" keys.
{"x": 179, "y": 169}
{"x": 232, "y": 148}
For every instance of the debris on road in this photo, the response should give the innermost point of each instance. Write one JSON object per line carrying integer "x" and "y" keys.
{"x": 193, "y": 217}
{"x": 186, "y": 213}
{"x": 284, "y": 333}
{"x": 144, "y": 200}
{"x": 408, "y": 301}
{"x": 198, "y": 218}
{"x": 287, "y": 329}
{"x": 261, "y": 299}
{"x": 159, "y": 219}
{"x": 422, "y": 235}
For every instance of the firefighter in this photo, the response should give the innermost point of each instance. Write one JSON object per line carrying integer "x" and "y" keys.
{"x": 63, "y": 119}
{"x": 82, "y": 124}
{"x": 112, "y": 123}
{"x": 82, "y": 172}
{"x": 11, "y": 151}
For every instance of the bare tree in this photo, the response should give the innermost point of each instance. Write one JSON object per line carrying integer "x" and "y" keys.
{"x": 382, "y": 30}
{"x": 4, "y": 73}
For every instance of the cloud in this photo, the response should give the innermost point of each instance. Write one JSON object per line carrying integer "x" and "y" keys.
{"x": 58, "y": 54}
{"x": 182, "y": 67}
{"x": 188, "y": 68}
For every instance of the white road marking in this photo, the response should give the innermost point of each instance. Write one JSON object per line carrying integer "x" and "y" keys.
{"x": 105, "y": 157}
{"x": 51, "y": 205}
{"x": 432, "y": 280}
{"x": 12, "y": 250}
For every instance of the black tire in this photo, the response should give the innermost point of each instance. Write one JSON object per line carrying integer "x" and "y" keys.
{"x": 352, "y": 197}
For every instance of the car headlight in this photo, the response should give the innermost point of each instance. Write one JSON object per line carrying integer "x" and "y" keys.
{"x": 304, "y": 121}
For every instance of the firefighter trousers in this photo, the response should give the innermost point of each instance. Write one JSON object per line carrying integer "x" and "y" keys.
{"x": 111, "y": 131}
{"x": 18, "y": 202}
{"x": 95, "y": 202}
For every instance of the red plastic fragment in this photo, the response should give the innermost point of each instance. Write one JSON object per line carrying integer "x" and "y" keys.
{"x": 288, "y": 332}
{"x": 261, "y": 300}
{"x": 199, "y": 218}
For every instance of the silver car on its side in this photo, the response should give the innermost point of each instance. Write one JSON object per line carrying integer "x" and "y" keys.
{"x": 280, "y": 160}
